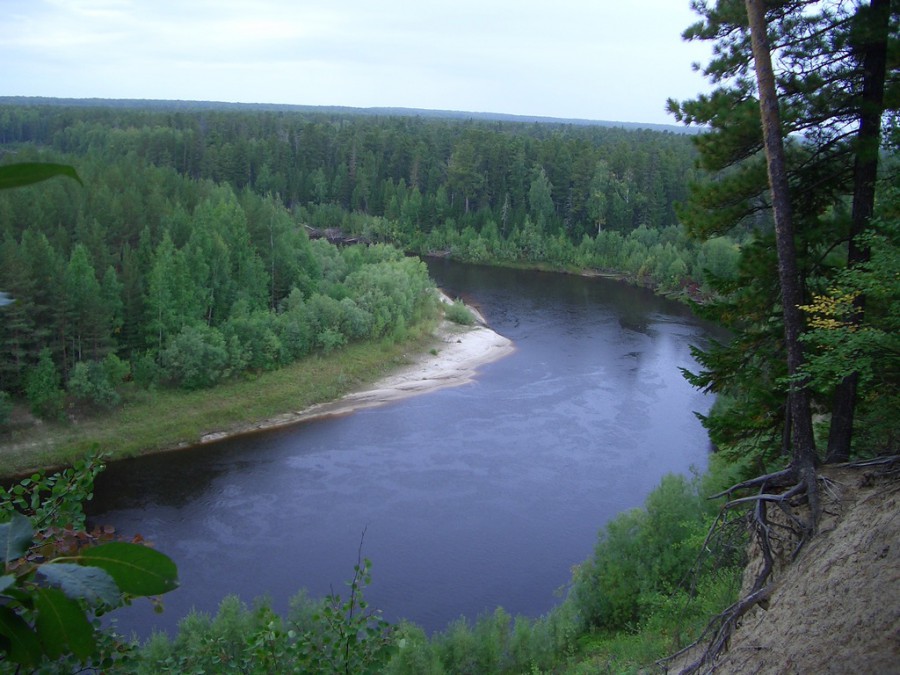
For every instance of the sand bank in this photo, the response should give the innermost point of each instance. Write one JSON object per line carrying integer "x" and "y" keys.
{"x": 460, "y": 351}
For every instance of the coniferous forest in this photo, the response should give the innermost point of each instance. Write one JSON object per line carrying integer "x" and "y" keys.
{"x": 195, "y": 248}
{"x": 186, "y": 257}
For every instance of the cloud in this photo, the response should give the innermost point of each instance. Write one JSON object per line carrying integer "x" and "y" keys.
{"x": 569, "y": 58}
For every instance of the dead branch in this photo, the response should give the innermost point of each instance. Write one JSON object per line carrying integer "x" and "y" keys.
{"x": 722, "y": 626}
{"x": 763, "y": 497}
{"x": 877, "y": 461}
{"x": 777, "y": 479}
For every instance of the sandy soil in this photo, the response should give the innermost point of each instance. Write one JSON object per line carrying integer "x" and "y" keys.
{"x": 836, "y": 608}
{"x": 461, "y": 350}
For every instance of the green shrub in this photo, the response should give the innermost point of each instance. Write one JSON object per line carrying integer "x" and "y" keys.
{"x": 459, "y": 313}
{"x": 96, "y": 382}
{"x": 253, "y": 343}
{"x": 496, "y": 643}
{"x": 607, "y": 586}
{"x": 145, "y": 370}
{"x": 319, "y": 636}
{"x": 642, "y": 553}
{"x": 330, "y": 339}
{"x": 196, "y": 358}
{"x": 42, "y": 388}
{"x": 416, "y": 655}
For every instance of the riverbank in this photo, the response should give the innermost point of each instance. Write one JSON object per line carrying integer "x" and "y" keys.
{"x": 435, "y": 354}
{"x": 454, "y": 360}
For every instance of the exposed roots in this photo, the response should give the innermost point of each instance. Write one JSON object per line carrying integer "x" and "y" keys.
{"x": 885, "y": 466}
{"x": 789, "y": 490}
{"x": 777, "y": 540}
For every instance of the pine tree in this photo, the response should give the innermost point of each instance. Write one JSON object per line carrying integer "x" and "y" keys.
{"x": 804, "y": 458}
{"x": 42, "y": 387}
{"x": 799, "y": 140}
{"x": 19, "y": 343}
{"x": 828, "y": 124}
{"x": 87, "y": 316}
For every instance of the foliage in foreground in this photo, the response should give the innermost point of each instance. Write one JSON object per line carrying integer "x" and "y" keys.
{"x": 332, "y": 635}
{"x": 666, "y": 603}
{"x": 59, "y": 578}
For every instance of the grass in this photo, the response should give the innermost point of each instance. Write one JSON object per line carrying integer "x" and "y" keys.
{"x": 163, "y": 419}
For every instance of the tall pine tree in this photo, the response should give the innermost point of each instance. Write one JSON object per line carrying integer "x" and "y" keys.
{"x": 831, "y": 91}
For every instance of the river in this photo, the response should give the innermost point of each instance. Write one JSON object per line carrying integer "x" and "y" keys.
{"x": 472, "y": 497}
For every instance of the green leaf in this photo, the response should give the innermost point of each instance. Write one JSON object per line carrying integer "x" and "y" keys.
{"x": 6, "y": 581}
{"x": 62, "y": 626}
{"x": 87, "y": 583}
{"x": 136, "y": 569}
{"x": 15, "y": 538}
{"x": 23, "y": 645}
{"x": 26, "y": 173}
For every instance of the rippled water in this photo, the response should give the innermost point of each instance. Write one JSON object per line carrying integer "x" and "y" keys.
{"x": 472, "y": 497}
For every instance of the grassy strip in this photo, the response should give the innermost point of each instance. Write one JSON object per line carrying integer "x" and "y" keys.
{"x": 164, "y": 419}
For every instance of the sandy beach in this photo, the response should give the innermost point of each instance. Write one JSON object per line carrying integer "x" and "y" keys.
{"x": 460, "y": 351}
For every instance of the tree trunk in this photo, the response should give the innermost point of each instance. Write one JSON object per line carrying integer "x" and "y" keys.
{"x": 865, "y": 172}
{"x": 804, "y": 449}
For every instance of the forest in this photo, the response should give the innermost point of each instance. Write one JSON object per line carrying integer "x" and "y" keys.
{"x": 184, "y": 259}
{"x": 187, "y": 257}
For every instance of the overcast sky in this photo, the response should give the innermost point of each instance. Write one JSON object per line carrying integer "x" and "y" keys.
{"x": 613, "y": 60}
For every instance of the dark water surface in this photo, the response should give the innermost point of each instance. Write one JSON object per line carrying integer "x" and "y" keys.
{"x": 471, "y": 497}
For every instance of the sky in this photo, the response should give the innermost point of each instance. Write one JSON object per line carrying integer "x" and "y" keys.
{"x": 615, "y": 60}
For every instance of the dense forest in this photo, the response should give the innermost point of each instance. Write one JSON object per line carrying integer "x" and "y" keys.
{"x": 185, "y": 257}
{"x": 577, "y": 178}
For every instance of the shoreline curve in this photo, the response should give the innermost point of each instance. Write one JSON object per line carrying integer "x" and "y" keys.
{"x": 460, "y": 352}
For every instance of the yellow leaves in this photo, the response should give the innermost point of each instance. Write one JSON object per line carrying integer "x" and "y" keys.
{"x": 833, "y": 311}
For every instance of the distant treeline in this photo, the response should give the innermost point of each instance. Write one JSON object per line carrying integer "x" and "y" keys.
{"x": 484, "y": 191}
{"x": 576, "y": 179}
{"x": 177, "y": 105}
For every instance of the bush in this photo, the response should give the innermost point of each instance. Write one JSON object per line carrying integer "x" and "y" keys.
{"x": 459, "y": 313}
{"x": 642, "y": 553}
{"x": 319, "y": 636}
{"x": 253, "y": 341}
{"x": 415, "y": 655}
{"x": 330, "y": 339}
{"x": 42, "y": 388}
{"x": 96, "y": 382}
{"x": 294, "y": 328}
{"x": 195, "y": 358}
{"x": 145, "y": 370}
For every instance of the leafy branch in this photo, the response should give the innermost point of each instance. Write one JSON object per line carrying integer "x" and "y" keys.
{"x": 56, "y": 576}
{"x": 355, "y": 639}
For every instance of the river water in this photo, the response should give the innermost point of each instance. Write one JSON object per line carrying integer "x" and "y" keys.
{"x": 472, "y": 497}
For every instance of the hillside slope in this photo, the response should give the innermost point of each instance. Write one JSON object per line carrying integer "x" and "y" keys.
{"x": 836, "y": 608}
